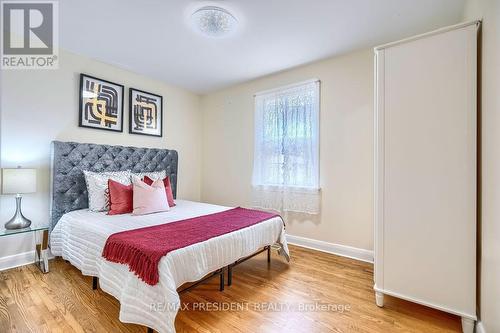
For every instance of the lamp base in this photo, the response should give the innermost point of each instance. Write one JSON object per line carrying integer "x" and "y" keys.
{"x": 18, "y": 221}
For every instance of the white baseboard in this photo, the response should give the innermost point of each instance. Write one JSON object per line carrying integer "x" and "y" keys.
{"x": 17, "y": 260}
{"x": 341, "y": 250}
{"x": 20, "y": 259}
{"x": 26, "y": 258}
{"x": 480, "y": 327}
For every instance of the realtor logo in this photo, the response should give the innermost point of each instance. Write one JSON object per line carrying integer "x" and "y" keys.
{"x": 30, "y": 35}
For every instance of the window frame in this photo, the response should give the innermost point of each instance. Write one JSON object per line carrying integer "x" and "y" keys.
{"x": 315, "y": 137}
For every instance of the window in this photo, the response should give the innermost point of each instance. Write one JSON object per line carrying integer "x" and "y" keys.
{"x": 286, "y": 156}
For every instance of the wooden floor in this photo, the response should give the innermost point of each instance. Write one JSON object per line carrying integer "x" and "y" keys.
{"x": 63, "y": 301}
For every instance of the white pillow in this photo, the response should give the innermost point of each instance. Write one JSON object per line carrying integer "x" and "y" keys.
{"x": 97, "y": 187}
{"x": 149, "y": 199}
{"x": 154, "y": 175}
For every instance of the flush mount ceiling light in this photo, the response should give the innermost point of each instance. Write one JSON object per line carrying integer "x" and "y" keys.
{"x": 214, "y": 21}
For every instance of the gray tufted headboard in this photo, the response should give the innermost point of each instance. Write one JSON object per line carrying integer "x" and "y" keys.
{"x": 69, "y": 159}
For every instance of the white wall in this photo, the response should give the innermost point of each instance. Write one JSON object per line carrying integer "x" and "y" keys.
{"x": 38, "y": 106}
{"x": 489, "y": 291}
{"x": 346, "y": 147}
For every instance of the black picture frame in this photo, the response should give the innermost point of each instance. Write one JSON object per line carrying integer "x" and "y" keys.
{"x": 81, "y": 104}
{"x": 159, "y": 119}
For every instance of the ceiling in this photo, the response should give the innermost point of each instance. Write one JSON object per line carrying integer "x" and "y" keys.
{"x": 154, "y": 38}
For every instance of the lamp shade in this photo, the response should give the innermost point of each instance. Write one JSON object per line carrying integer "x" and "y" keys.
{"x": 18, "y": 181}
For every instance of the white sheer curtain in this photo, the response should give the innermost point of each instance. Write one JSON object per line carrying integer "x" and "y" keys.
{"x": 286, "y": 157}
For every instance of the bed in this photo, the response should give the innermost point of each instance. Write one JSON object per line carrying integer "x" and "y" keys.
{"x": 79, "y": 236}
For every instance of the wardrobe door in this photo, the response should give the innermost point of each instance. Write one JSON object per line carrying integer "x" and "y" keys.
{"x": 426, "y": 170}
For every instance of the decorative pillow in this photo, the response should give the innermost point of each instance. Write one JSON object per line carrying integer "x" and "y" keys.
{"x": 120, "y": 198}
{"x": 97, "y": 185}
{"x": 149, "y": 198}
{"x": 168, "y": 189}
{"x": 154, "y": 175}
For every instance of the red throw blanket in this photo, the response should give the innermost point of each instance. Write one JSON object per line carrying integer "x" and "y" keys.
{"x": 141, "y": 249}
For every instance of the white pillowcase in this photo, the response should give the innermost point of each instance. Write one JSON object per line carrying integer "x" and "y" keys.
{"x": 149, "y": 199}
{"x": 154, "y": 175}
{"x": 97, "y": 187}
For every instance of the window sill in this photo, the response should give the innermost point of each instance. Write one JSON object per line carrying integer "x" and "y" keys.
{"x": 279, "y": 188}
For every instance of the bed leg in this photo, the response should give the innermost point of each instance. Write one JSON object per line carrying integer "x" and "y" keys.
{"x": 150, "y": 330}
{"x": 229, "y": 275}
{"x": 221, "y": 286}
{"x": 94, "y": 282}
{"x": 268, "y": 254}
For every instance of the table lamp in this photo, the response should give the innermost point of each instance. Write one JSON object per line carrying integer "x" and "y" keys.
{"x": 18, "y": 181}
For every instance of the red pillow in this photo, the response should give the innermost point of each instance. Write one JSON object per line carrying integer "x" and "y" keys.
{"x": 120, "y": 198}
{"x": 168, "y": 189}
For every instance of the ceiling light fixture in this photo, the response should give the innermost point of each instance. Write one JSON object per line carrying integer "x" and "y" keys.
{"x": 214, "y": 21}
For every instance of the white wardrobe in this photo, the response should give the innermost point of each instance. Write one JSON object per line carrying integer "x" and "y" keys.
{"x": 425, "y": 170}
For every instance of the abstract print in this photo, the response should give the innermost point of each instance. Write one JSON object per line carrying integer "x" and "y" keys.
{"x": 145, "y": 113}
{"x": 101, "y": 104}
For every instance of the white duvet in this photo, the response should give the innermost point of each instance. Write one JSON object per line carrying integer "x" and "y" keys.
{"x": 79, "y": 237}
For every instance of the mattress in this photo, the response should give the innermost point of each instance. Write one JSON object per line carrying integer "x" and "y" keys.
{"x": 80, "y": 236}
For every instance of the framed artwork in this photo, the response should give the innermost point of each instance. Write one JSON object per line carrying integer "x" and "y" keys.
{"x": 101, "y": 104}
{"x": 146, "y": 113}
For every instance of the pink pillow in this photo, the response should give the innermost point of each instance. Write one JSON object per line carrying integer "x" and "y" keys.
{"x": 149, "y": 199}
{"x": 168, "y": 188}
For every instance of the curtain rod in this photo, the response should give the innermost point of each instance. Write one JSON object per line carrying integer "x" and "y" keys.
{"x": 286, "y": 87}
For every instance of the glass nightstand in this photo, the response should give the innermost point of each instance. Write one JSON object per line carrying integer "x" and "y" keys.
{"x": 41, "y": 243}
